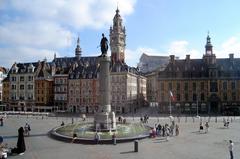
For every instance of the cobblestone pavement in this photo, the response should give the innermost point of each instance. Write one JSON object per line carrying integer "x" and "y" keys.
{"x": 190, "y": 144}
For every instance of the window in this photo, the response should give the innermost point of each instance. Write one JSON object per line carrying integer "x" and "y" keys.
{"x": 213, "y": 87}
{"x": 233, "y": 85}
{"x": 30, "y": 78}
{"x": 186, "y": 86}
{"x": 178, "y": 97}
{"x": 224, "y": 85}
{"x": 21, "y": 86}
{"x": 202, "y": 97}
{"x": 162, "y": 86}
{"x": 186, "y": 97}
{"x": 225, "y": 96}
{"x": 21, "y": 78}
{"x": 194, "y": 85}
{"x": 30, "y": 87}
{"x": 170, "y": 85}
{"x": 202, "y": 85}
{"x": 30, "y": 70}
{"x": 14, "y": 87}
{"x": 233, "y": 96}
{"x": 13, "y": 78}
{"x": 162, "y": 97}
{"x": 178, "y": 86}
{"x": 194, "y": 97}
{"x": 21, "y": 97}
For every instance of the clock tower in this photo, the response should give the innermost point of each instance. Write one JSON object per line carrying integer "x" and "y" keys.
{"x": 209, "y": 57}
{"x": 117, "y": 39}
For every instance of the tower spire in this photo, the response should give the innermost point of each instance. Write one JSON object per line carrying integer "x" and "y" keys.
{"x": 117, "y": 39}
{"x": 78, "y": 50}
{"x": 208, "y": 46}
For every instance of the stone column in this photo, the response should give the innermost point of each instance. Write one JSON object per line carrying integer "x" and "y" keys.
{"x": 104, "y": 84}
{"x": 104, "y": 119}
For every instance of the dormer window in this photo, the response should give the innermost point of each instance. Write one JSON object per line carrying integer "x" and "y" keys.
{"x": 14, "y": 70}
{"x": 90, "y": 75}
{"x": 30, "y": 68}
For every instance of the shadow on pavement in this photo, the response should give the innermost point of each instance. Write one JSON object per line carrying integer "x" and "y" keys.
{"x": 127, "y": 152}
{"x": 32, "y": 135}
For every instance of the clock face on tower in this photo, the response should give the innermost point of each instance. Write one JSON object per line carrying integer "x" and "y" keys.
{"x": 209, "y": 52}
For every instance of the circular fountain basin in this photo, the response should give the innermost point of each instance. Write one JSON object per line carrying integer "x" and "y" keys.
{"x": 85, "y": 133}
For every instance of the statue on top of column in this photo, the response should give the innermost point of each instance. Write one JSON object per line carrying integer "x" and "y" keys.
{"x": 104, "y": 45}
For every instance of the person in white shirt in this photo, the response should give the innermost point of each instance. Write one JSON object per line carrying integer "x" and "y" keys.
{"x": 231, "y": 148}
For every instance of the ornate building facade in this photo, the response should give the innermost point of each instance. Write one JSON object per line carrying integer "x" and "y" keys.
{"x": 207, "y": 85}
{"x": 3, "y": 75}
{"x": 72, "y": 83}
{"x": 22, "y": 86}
{"x": 44, "y": 87}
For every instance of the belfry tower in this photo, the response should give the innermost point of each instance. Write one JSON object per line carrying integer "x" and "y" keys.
{"x": 209, "y": 57}
{"x": 78, "y": 50}
{"x": 117, "y": 39}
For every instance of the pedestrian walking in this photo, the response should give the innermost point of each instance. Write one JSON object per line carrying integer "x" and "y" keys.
{"x": 177, "y": 130}
{"x": 230, "y": 147}
{"x": 26, "y": 129}
{"x": 97, "y": 137}
{"x": 207, "y": 127}
{"x": 1, "y": 121}
{"x": 200, "y": 127}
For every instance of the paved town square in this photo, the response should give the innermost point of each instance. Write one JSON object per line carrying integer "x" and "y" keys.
{"x": 190, "y": 144}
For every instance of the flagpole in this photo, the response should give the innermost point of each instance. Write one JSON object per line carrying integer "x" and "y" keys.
{"x": 170, "y": 106}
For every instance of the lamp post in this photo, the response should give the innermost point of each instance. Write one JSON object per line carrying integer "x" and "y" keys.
{"x": 197, "y": 104}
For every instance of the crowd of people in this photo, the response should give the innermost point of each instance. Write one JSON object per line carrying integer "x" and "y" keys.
{"x": 164, "y": 130}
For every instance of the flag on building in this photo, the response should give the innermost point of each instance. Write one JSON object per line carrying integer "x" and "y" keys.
{"x": 172, "y": 96}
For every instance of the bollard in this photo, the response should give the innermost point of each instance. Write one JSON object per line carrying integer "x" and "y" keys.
{"x": 231, "y": 120}
{"x": 215, "y": 119}
{"x": 193, "y": 119}
{"x": 178, "y": 119}
{"x": 136, "y": 146}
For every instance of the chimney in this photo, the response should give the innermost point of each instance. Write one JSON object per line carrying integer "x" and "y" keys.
{"x": 231, "y": 56}
{"x": 187, "y": 57}
{"x": 172, "y": 58}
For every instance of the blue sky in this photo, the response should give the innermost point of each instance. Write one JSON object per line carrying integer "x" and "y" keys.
{"x": 31, "y": 30}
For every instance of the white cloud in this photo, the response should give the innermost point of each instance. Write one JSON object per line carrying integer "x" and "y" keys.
{"x": 181, "y": 49}
{"x": 132, "y": 56}
{"x": 76, "y": 13}
{"x": 231, "y": 45}
{"x": 24, "y": 54}
{"x": 178, "y": 48}
{"x": 29, "y": 28}
{"x": 41, "y": 34}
